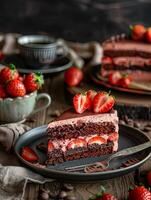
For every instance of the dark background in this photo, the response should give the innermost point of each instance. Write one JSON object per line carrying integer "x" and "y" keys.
{"x": 77, "y": 20}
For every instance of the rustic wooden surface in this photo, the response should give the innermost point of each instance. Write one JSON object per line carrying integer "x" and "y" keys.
{"x": 118, "y": 186}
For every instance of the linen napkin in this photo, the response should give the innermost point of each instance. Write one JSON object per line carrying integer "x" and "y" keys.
{"x": 14, "y": 178}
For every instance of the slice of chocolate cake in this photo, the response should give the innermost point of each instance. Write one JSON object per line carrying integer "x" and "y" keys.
{"x": 128, "y": 57}
{"x": 74, "y": 136}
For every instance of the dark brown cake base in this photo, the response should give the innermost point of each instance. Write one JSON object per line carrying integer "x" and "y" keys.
{"x": 57, "y": 156}
{"x": 80, "y": 129}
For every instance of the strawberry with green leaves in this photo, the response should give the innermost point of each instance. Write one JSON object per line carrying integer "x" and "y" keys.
{"x": 8, "y": 73}
{"x": 102, "y": 195}
{"x": 33, "y": 82}
{"x": 15, "y": 88}
{"x": 139, "y": 193}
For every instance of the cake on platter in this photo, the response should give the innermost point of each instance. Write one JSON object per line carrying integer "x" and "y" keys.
{"x": 129, "y": 55}
{"x": 88, "y": 130}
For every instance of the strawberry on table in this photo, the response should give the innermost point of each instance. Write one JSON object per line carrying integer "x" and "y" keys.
{"x": 29, "y": 155}
{"x": 114, "y": 78}
{"x": 138, "y": 32}
{"x": 73, "y": 76}
{"x": 96, "y": 140}
{"x": 103, "y": 102}
{"x": 2, "y": 92}
{"x": 8, "y": 73}
{"x": 139, "y": 193}
{"x": 91, "y": 94}
{"x": 102, "y": 195}
{"x": 15, "y": 88}
{"x": 148, "y": 35}
{"x": 81, "y": 102}
{"x": 79, "y": 142}
{"x": 33, "y": 81}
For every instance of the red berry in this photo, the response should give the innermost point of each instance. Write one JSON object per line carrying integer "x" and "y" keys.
{"x": 16, "y": 88}
{"x": 50, "y": 146}
{"x": 81, "y": 102}
{"x": 8, "y": 73}
{"x": 103, "y": 102}
{"x": 73, "y": 76}
{"x": 125, "y": 81}
{"x": 79, "y": 142}
{"x": 138, "y": 32}
{"x": 33, "y": 81}
{"x": 2, "y": 92}
{"x": 148, "y": 35}
{"x": 91, "y": 94}
{"x": 29, "y": 155}
{"x": 139, "y": 193}
{"x": 96, "y": 140}
{"x": 113, "y": 137}
{"x": 114, "y": 78}
{"x": 149, "y": 178}
{"x": 107, "y": 60}
{"x": 106, "y": 196}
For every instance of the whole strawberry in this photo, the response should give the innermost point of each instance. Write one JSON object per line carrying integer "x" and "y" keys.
{"x": 139, "y": 193}
{"x": 2, "y": 92}
{"x": 33, "y": 81}
{"x": 138, "y": 32}
{"x": 15, "y": 88}
{"x": 8, "y": 73}
{"x": 102, "y": 195}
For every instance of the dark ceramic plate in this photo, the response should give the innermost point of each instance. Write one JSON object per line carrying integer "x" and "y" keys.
{"x": 94, "y": 76}
{"x": 60, "y": 64}
{"x": 128, "y": 137}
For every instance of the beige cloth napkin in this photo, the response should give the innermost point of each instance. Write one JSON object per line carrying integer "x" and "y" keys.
{"x": 13, "y": 177}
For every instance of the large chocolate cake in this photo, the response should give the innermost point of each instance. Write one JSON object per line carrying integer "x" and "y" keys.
{"x": 74, "y": 136}
{"x": 127, "y": 56}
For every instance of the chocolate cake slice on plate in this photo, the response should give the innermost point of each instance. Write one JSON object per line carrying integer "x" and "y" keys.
{"x": 74, "y": 136}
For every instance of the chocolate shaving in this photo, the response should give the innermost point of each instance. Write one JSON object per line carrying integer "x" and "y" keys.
{"x": 130, "y": 162}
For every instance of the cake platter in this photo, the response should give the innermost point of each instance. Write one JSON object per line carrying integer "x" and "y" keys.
{"x": 99, "y": 80}
{"x": 128, "y": 137}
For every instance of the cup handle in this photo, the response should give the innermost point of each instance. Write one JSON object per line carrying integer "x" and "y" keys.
{"x": 38, "y": 98}
{"x": 62, "y": 48}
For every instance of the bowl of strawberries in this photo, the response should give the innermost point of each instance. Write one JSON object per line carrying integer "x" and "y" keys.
{"x": 18, "y": 94}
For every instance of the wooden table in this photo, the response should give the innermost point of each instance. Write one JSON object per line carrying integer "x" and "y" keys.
{"x": 118, "y": 186}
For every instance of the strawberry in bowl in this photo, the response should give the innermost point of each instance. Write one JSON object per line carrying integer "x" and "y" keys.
{"x": 18, "y": 95}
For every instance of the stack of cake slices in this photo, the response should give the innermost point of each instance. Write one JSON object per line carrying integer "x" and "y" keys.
{"x": 127, "y": 56}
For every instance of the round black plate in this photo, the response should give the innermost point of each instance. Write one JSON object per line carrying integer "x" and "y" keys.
{"x": 128, "y": 137}
{"x": 94, "y": 76}
{"x": 62, "y": 63}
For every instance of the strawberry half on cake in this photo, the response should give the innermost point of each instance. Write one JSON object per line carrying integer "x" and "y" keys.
{"x": 89, "y": 130}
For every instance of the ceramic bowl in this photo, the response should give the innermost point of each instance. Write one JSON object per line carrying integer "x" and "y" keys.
{"x": 37, "y": 50}
{"x": 18, "y": 109}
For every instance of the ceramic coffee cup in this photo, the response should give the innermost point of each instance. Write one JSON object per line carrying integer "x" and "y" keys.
{"x": 18, "y": 109}
{"x": 38, "y": 50}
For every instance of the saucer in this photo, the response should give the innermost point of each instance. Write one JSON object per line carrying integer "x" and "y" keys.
{"x": 60, "y": 64}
